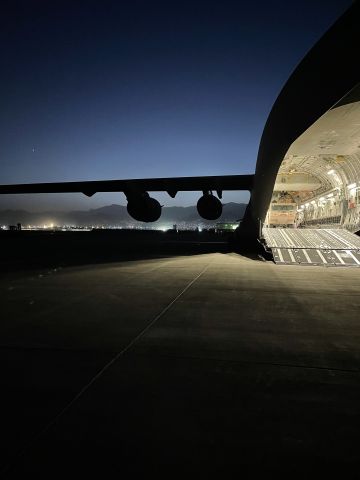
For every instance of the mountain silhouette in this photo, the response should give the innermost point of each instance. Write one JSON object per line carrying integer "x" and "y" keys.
{"x": 116, "y": 215}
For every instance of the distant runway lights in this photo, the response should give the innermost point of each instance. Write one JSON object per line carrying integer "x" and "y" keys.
{"x": 209, "y": 207}
{"x": 144, "y": 208}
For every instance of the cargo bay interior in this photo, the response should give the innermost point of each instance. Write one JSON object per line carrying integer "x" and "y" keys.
{"x": 318, "y": 189}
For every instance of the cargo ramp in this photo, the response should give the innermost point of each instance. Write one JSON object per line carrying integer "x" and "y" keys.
{"x": 313, "y": 246}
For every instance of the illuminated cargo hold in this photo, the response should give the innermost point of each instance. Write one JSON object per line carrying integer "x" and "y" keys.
{"x": 320, "y": 174}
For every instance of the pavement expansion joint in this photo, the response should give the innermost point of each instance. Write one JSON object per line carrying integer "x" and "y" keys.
{"x": 246, "y": 362}
{"x": 51, "y": 348}
{"x": 67, "y": 407}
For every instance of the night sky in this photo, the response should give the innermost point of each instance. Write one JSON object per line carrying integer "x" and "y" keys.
{"x": 130, "y": 89}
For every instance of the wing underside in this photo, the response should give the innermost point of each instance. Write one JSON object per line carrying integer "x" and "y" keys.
{"x": 140, "y": 205}
{"x": 169, "y": 185}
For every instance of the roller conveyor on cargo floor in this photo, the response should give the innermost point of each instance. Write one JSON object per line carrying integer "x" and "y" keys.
{"x": 335, "y": 239}
{"x": 327, "y": 247}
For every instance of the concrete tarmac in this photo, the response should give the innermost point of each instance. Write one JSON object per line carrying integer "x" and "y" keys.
{"x": 200, "y": 364}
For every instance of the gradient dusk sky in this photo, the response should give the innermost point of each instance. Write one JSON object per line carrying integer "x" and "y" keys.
{"x": 133, "y": 89}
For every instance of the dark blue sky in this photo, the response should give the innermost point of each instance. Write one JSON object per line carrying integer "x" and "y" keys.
{"x": 129, "y": 89}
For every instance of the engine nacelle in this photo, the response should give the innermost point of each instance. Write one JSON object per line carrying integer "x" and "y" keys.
{"x": 144, "y": 208}
{"x": 209, "y": 207}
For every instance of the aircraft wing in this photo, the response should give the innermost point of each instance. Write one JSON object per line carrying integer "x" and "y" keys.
{"x": 140, "y": 205}
{"x": 170, "y": 185}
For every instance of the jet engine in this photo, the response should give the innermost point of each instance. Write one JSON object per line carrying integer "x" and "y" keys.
{"x": 144, "y": 208}
{"x": 209, "y": 207}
